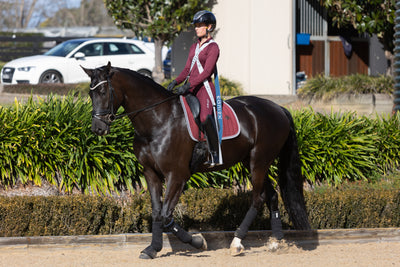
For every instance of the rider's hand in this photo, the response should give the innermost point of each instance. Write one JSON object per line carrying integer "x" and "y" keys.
{"x": 171, "y": 85}
{"x": 184, "y": 89}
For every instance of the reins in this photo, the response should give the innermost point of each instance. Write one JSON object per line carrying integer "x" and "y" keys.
{"x": 145, "y": 108}
{"x": 111, "y": 116}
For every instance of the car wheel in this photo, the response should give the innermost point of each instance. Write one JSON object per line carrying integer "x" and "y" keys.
{"x": 51, "y": 76}
{"x": 145, "y": 73}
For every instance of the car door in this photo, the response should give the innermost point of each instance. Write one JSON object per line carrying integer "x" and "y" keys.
{"x": 127, "y": 55}
{"x": 88, "y": 56}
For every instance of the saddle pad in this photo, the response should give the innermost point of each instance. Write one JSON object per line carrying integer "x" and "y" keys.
{"x": 231, "y": 123}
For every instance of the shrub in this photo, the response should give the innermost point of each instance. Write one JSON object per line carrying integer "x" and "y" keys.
{"x": 326, "y": 88}
{"x": 336, "y": 147}
{"x": 52, "y": 140}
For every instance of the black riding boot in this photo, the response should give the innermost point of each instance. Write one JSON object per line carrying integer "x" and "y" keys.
{"x": 210, "y": 131}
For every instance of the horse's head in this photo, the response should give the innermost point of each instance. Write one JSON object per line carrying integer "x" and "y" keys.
{"x": 103, "y": 97}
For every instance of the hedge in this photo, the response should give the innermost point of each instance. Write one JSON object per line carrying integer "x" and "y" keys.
{"x": 198, "y": 210}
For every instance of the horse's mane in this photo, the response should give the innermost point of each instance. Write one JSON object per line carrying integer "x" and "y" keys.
{"x": 140, "y": 77}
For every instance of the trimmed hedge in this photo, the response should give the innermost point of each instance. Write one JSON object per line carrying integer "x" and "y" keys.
{"x": 198, "y": 210}
{"x": 47, "y": 88}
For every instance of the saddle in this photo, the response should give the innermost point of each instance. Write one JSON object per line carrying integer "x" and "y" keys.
{"x": 191, "y": 107}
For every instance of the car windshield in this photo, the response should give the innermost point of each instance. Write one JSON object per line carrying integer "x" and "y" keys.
{"x": 64, "y": 48}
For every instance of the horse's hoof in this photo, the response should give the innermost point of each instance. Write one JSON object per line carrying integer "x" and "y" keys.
{"x": 236, "y": 247}
{"x": 273, "y": 246}
{"x": 199, "y": 242}
{"x": 236, "y": 251}
{"x": 144, "y": 256}
{"x": 148, "y": 253}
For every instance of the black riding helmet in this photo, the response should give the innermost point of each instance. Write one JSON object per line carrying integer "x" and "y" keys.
{"x": 206, "y": 17}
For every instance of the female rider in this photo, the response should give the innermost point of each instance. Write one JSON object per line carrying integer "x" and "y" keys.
{"x": 197, "y": 77}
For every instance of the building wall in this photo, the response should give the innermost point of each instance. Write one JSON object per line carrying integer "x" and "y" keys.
{"x": 255, "y": 38}
{"x": 257, "y": 45}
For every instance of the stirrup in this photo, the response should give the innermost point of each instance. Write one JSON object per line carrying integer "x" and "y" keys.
{"x": 213, "y": 160}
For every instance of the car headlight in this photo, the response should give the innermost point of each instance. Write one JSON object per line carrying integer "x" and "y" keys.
{"x": 26, "y": 69}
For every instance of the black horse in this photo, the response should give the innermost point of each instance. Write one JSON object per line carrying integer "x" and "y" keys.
{"x": 164, "y": 148}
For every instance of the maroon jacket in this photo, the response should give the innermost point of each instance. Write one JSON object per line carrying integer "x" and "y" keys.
{"x": 208, "y": 59}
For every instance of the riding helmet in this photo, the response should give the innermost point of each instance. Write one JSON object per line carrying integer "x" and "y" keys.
{"x": 206, "y": 17}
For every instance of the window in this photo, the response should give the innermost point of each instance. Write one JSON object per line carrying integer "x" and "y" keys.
{"x": 136, "y": 50}
{"x": 118, "y": 49}
{"x": 92, "y": 50}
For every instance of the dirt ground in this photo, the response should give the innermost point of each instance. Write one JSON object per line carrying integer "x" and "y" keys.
{"x": 365, "y": 254}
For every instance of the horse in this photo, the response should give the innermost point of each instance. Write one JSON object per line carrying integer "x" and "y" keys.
{"x": 164, "y": 148}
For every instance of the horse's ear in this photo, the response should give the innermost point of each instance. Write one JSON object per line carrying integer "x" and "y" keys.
{"x": 108, "y": 67}
{"x": 88, "y": 71}
{"x": 110, "y": 70}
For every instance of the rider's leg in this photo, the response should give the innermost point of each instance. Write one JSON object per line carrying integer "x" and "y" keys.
{"x": 208, "y": 126}
{"x": 210, "y": 131}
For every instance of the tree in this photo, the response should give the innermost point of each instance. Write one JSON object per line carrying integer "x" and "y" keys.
{"x": 161, "y": 20}
{"x": 17, "y": 14}
{"x": 372, "y": 17}
{"x": 89, "y": 13}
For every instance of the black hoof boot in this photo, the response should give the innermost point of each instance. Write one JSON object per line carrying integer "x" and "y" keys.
{"x": 276, "y": 225}
{"x": 148, "y": 253}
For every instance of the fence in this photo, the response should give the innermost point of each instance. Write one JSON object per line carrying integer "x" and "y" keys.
{"x": 12, "y": 47}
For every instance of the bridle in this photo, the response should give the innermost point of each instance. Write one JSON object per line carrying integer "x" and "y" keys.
{"x": 108, "y": 116}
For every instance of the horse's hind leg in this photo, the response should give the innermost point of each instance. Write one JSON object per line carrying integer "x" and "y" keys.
{"x": 272, "y": 202}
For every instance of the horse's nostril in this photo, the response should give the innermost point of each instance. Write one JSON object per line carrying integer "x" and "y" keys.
{"x": 100, "y": 131}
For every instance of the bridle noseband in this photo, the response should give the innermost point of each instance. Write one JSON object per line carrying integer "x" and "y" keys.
{"x": 108, "y": 116}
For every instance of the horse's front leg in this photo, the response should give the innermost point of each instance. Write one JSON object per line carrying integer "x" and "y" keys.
{"x": 154, "y": 184}
{"x": 258, "y": 198}
{"x": 174, "y": 190}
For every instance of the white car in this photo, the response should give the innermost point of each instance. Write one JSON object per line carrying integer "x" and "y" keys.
{"x": 61, "y": 64}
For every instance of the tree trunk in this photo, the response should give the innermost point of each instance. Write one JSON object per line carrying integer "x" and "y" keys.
{"x": 158, "y": 74}
{"x": 29, "y": 15}
{"x": 390, "y": 62}
{"x": 20, "y": 8}
{"x": 388, "y": 46}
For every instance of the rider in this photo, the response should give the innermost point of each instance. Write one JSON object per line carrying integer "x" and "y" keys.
{"x": 196, "y": 80}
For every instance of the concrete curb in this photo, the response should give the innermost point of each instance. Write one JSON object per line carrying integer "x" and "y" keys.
{"x": 215, "y": 240}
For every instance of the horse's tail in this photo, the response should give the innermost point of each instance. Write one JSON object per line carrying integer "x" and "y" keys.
{"x": 291, "y": 181}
